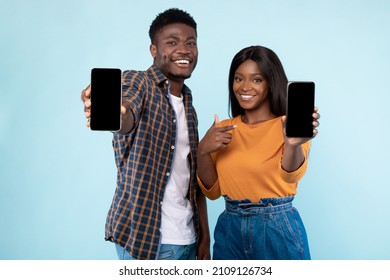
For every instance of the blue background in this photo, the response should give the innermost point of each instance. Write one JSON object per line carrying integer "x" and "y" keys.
{"x": 57, "y": 177}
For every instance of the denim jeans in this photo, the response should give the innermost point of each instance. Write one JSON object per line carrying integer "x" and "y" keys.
{"x": 269, "y": 230}
{"x": 166, "y": 252}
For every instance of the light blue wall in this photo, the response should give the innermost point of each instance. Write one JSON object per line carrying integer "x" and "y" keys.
{"x": 57, "y": 177}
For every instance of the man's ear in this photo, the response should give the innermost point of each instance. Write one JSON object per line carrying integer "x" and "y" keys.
{"x": 153, "y": 50}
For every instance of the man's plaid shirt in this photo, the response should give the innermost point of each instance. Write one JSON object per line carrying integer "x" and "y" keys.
{"x": 144, "y": 160}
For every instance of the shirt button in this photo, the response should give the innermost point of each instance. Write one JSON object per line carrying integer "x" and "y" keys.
{"x": 168, "y": 174}
{"x": 172, "y": 147}
{"x": 166, "y": 82}
{"x": 174, "y": 120}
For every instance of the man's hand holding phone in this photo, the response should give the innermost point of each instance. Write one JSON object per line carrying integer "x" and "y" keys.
{"x": 86, "y": 98}
{"x": 104, "y": 107}
{"x": 106, "y": 99}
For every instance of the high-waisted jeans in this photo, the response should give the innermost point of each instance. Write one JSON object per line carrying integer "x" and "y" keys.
{"x": 271, "y": 229}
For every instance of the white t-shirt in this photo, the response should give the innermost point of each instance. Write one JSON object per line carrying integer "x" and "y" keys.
{"x": 177, "y": 226}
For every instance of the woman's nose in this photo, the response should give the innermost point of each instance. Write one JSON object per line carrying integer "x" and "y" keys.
{"x": 246, "y": 87}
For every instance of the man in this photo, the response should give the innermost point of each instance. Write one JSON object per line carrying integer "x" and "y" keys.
{"x": 158, "y": 211}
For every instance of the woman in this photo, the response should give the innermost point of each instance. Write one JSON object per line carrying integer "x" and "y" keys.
{"x": 251, "y": 163}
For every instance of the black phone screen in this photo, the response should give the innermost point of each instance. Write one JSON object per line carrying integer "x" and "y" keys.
{"x": 106, "y": 98}
{"x": 300, "y": 108}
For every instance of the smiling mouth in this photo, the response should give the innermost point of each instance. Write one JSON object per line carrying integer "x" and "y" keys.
{"x": 246, "y": 96}
{"x": 182, "y": 62}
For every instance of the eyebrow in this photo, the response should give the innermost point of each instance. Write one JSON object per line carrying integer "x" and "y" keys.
{"x": 252, "y": 74}
{"x": 174, "y": 36}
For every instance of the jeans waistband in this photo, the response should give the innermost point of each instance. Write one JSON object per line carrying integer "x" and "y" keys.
{"x": 264, "y": 206}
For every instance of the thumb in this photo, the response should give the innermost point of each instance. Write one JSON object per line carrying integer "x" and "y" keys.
{"x": 216, "y": 120}
{"x": 284, "y": 121}
{"x": 123, "y": 110}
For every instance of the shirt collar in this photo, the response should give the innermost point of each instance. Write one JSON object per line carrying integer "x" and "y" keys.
{"x": 155, "y": 75}
{"x": 159, "y": 78}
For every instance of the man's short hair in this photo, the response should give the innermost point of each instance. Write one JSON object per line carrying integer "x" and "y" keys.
{"x": 170, "y": 16}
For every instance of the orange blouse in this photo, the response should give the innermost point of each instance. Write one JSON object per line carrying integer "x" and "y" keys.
{"x": 250, "y": 167}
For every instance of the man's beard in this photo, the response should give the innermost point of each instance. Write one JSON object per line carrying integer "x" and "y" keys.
{"x": 178, "y": 77}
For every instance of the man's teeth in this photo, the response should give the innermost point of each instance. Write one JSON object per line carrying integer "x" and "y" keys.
{"x": 182, "y": 61}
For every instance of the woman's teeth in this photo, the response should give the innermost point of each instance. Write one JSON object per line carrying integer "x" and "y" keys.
{"x": 244, "y": 96}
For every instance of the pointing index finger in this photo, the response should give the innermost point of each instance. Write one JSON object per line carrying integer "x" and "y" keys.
{"x": 227, "y": 128}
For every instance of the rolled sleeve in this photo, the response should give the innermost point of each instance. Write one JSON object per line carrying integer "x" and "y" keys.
{"x": 213, "y": 193}
{"x": 296, "y": 175}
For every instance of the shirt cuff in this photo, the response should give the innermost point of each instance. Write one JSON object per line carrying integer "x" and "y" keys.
{"x": 293, "y": 176}
{"x": 213, "y": 193}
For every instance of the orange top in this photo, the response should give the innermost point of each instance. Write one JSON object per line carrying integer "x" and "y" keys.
{"x": 250, "y": 167}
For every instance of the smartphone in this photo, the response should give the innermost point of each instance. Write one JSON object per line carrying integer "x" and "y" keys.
{"x": 300, "y": 108}
{"x": 106, "y": 99}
